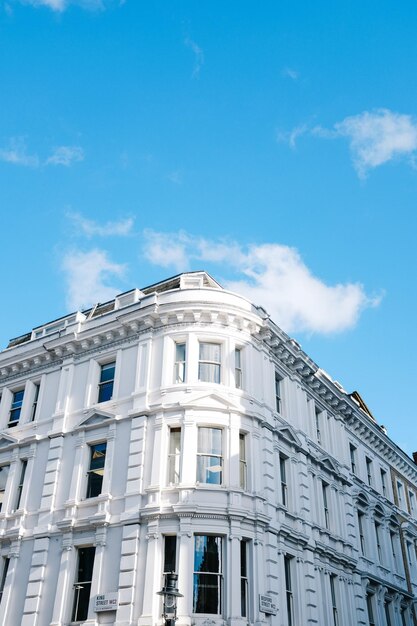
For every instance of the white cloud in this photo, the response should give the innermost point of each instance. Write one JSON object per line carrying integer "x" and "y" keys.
{"x": 55, "y": 5}
{"x": 90, "y": 228}
{"x": 88, "y": 275}
{"x": 271, "y": 275}
{"x": 378, "y": 137}
{"x": 375, "y": 137}
{"x": 65, "y": 155}
{"x": 59, "y": 6}
{"x": 167, "y": 250}
{"x": 198, "y": 56}
{"x": 16, "y": 153}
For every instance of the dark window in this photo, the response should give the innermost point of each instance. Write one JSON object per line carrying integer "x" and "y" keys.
{"x": 361, "y": 534}
{"x": 170, "y": 553}
{"x": 387, "y": 609}
{"x": 352, "y": 450}
{"x": 209, "y": 456}
{"x": 23, "y": 467}
{"x": 82, "y": 583}
{"x": 207, "y": 596}
{"x": 179, "y": 370}
{"x": 369, "y": 470}
{"x": 384, "y": 482}
{"x": 16, "y": 408}
{"x": 244, "y": 578}
{"x": 238, "y": 368}
{"x": 4, "y": 474}
{"x": 96, "y": 469}
{"x": 278, "y": 380}
{"x": 209, "y": 362}
{"x": 288, "y": 589}
{"x": 334, "y": 601}
{"x": 318, "y": 429}
{"x": 283, "y": 472}
{"x": 105, "y": 386}
{"x": 378, "y": 541}
{"x": 369, "y": 605}
{"x": 35, "y": 402}
{"x": 4, "y": 571}
{"x": 394, "y": 555}
{"x": 325, "y": 491}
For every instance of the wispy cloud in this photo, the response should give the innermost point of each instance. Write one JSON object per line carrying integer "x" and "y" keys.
{"x": 272, "y": 275}
{"x": 293, "y": 135}
{"x": 65, "y": 155}
{"x": 91, "y": 228}
{"x": 198, "y": 56}
{"x": 59, "y": 6}
{"x": 291, "y": 73}
{"x": 89, "y": 276}
{"x": 375, "y": 137}
{"x": 17, "y": 153}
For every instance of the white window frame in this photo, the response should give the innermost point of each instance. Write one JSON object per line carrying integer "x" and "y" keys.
{"x": 238, "y": 367}
{"x": 174, "y": 458}
{"x": 201, "y": 455}
{"x": 219, "y": 574}
{"x": 180, "y": 364}
{"x": 216, "y": 364}
{"x": 243, "y": 461}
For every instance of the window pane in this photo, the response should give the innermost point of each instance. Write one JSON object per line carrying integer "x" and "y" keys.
{"x": 207, "y": 585}
{"x": 180, "y": 352}
{"x": 174, "y": 456}
{"x": 210, "y": 440}
{"x": 96, "y": 469}
{"x": 207, "y": 595}
{"x": 209, "y": 373}
{"x": 209, "y": 470}
{"x": 208, "y": 553}
{"x": 210, "y": 352}
{"x": 82, "y": 583}
{"x": 170, "y": 553}
{"x": 4, "y": 474}
{"x": 107, "y": 372}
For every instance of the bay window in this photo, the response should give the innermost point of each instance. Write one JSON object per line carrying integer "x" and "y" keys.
{"x": 243, "y": 465}
{"x": 179, "y": 366}
{"x": 174, "y": 456}
{"x": 210, "y": 456}
{"x": 209, "y": 364}
{"x": 238, "y": 368}
{"x": 208, "y": 578}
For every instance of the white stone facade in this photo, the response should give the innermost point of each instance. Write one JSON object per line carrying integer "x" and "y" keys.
{"x": 218, "y": 449}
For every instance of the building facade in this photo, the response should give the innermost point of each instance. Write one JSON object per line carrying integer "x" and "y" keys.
{"x": 177, "y": 428}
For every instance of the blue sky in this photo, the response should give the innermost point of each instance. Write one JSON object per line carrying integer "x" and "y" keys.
{"x": 273, "y": 144}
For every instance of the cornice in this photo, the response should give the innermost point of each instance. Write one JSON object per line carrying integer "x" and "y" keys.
{"x": 37, "y": 355}
{"x": 328, "y": 393}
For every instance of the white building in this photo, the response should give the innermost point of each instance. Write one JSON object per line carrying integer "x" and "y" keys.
{"x": 177, "y": 428}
